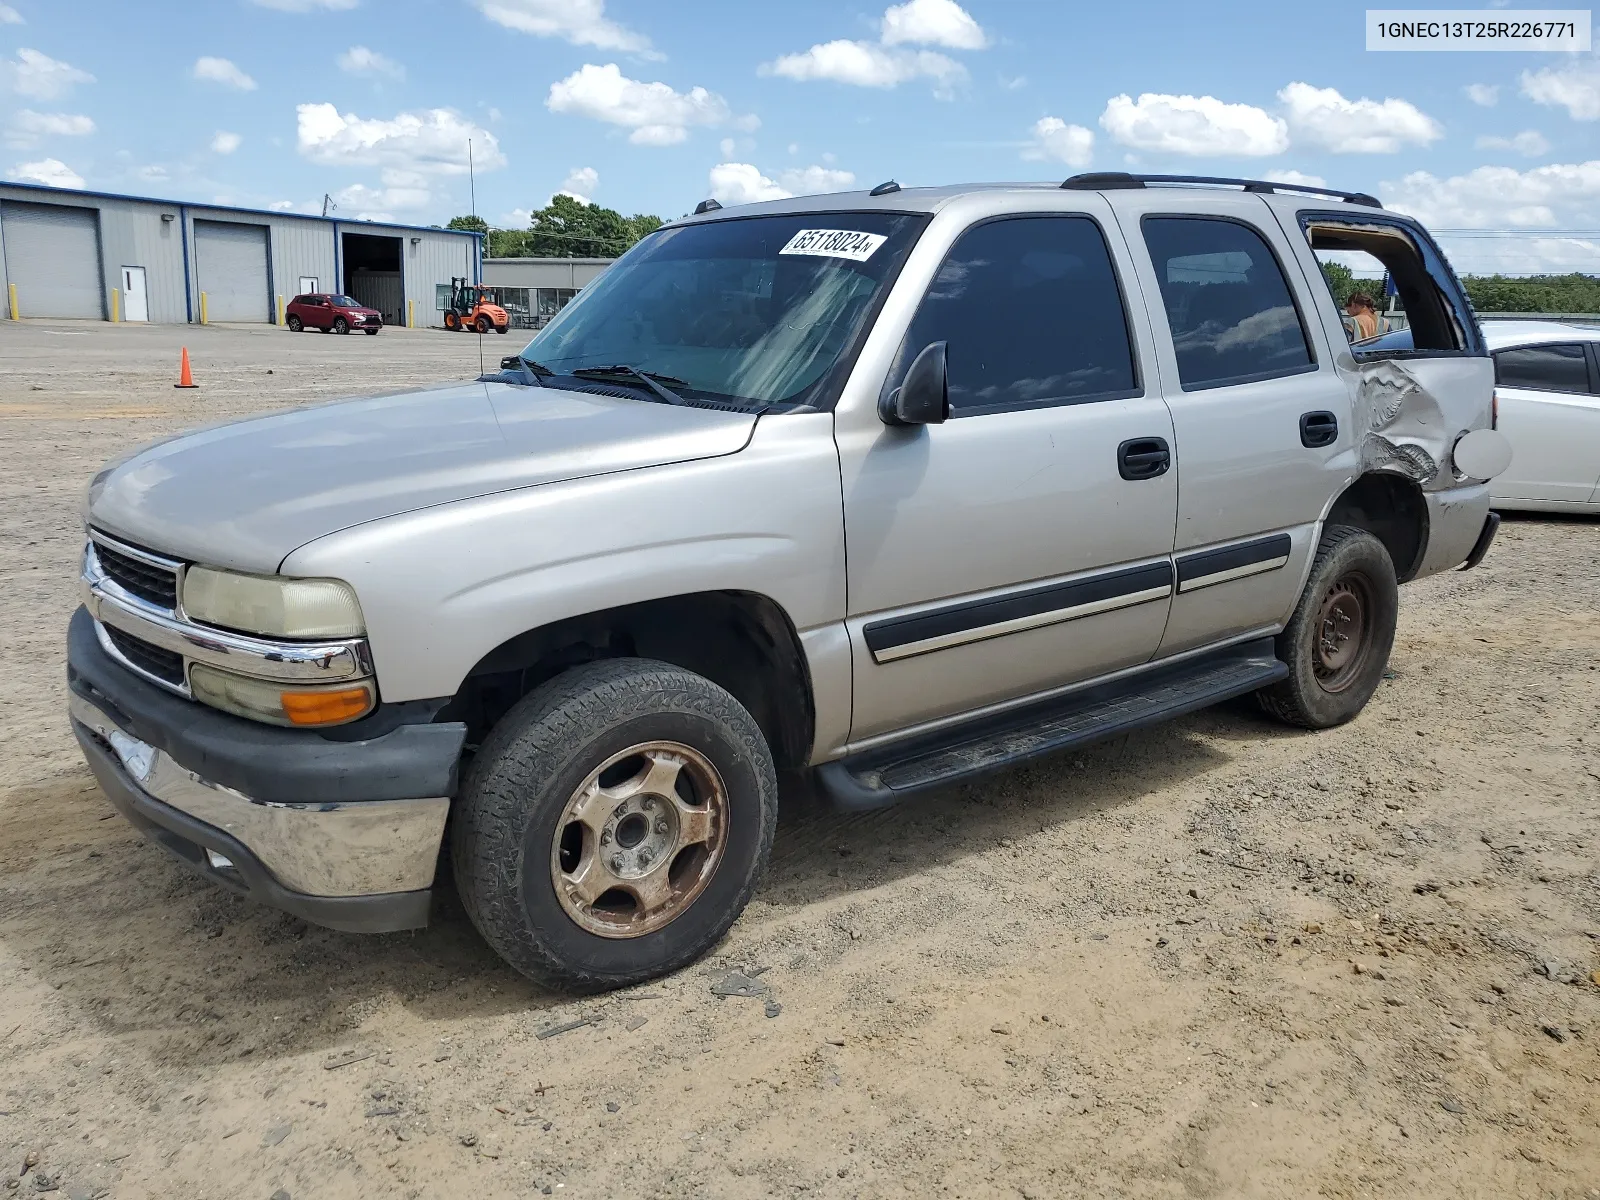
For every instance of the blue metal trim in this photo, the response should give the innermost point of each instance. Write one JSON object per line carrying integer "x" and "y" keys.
{"x": 338, "y": 267}
{"x": 188, "y": 291}
{"x": 259, "y": 212}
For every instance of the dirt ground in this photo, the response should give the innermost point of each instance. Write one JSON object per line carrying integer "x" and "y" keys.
{"x": 1219, "y": 958}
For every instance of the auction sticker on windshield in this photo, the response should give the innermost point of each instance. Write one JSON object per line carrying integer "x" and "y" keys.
{"x": 835, "y": 243}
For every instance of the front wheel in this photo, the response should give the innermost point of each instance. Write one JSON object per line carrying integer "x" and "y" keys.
{"x": 452, "y": 321}
{"x": 484, "y": 324}
{"x": 1338, "y": 641}
{"x": 340, "y": 325}
{"x": 501, "y": 328}
{"x": 614, "y": 824}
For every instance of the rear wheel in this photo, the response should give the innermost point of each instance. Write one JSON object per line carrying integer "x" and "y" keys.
{"x": 340, "y": 325}
{"x": 484, "y": 324}
{"x": 295, "y": 324}
{"x": 452, "y": 321}
{"x": 1338, "y": 641}
{"x": 614, "y": 824}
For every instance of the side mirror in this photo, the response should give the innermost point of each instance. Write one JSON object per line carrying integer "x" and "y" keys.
{"x": 923, "y": 397}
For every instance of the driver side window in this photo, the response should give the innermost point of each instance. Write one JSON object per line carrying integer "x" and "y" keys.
{"x": 1032, "y": 315}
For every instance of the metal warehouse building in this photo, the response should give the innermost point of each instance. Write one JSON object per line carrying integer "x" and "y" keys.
{"x": 532, "y": 290}
{"x": 99, "y": 256}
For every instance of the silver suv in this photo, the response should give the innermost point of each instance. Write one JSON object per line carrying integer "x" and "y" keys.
{"x": 899, "y": 487}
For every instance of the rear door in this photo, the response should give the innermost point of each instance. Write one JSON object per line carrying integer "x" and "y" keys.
{"x": 1025, "y": 543}
{"x": 1259, "y": 414}
{"x": 1550, "y": 413}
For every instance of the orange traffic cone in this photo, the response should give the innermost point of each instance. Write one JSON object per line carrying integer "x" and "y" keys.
{"x": 185, "y": 379}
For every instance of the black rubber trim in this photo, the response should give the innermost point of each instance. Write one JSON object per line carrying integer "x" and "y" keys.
{"x": 1151, "y": 696}
{"x": 1030, "y": 602}
{"x": 265, "y": 762}
{"x": 187, "y": 839}
{"x": 1491, "y": 526}
{"x": 1212, "y": 562}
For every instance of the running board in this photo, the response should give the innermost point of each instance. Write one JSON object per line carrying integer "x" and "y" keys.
{"x": 888, "y": 774}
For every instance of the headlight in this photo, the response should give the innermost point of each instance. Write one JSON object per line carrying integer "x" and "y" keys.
{"x": 276, "y": 704}
{"x": 273, "y": 605}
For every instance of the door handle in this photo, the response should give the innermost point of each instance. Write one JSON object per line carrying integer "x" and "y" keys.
{"x": 1143, "y": 458}
{"x": 1319, "y": 429}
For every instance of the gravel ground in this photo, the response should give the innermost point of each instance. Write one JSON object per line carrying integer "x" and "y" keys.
{"x": 1219, "y": 958}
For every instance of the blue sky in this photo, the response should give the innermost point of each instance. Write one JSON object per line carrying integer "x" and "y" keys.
{"x": 651, "y": 107}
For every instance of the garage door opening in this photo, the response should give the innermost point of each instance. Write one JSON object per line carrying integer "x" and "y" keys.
{"x": 372, "y": 274}
{"x": 231, "y": 261}
{"x": 53, "y": 259}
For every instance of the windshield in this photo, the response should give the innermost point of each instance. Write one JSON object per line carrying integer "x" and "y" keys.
{"x": 749, "y": 311}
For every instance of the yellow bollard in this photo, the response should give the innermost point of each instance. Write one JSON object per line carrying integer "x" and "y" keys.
{"x": 280, "y": 310}
{"x": 11, "y": 289}
{"x": 411, "y": 314}
{"x": 116, "y": 305}
{"x": 202, "y": 308}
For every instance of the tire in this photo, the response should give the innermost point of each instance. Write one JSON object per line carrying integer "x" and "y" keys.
{"x": 370, "y": 332}
{"x": 295, "y": 324}
{"x": 514, "y": 832}
{"x": 340, "y": 325}
{"x": 484, "y": 324}
{"x": 1351, "y": 592}
{"x": 452, "y": 321}
{"x": 501, "y": 328}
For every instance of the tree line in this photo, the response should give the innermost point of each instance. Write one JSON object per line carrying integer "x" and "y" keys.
{"x": 1571, "y": 293}
{"x": 564, "y": 228}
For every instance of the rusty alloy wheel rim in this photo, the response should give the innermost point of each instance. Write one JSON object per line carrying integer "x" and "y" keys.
{"x": 631, "y": 851}
{"x": 1342, "y": 633}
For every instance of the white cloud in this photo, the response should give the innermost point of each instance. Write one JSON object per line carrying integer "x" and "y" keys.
{"x": 221, "y": 70}
{"x": 1574, "y": 87}
{"x": 433, "y": 142}
{"x": 1296, "y": 178}
{"x": 1558, "y": 194}
{"x": 225, "y": 142}
{"x": 656, "y": 114}
{"x": 812, "y": 181}
{"x": 305, "y": 6}
{"x": 517, "y": 218}
{"x": 10, "y": 16}
{"x": 41, "y": 77}
{"x": 580, "y": 183}
{"x": 1529, "y": 142}
{"x": 1324, "y": 119}
{"x": 1056, "y": 141}
{"x": 1484, "y": 95}
{"x": 1196, "y": 125}
{"x": 28, "y": 128}
{"x": 358, "y": 60}
{"x": 867, "y": 64}
{"x": 741, "y": 183}
{"x": 932, "y": 23}
{"x": 401, "y": 191}
{"x": 727, "y": 146}
{"x": 154, "y": 173}
{"x": 49, "y": 171}
{"x": 581, "y": 22}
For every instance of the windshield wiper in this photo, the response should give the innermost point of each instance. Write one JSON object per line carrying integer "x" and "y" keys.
{"x": 650, "y": 379}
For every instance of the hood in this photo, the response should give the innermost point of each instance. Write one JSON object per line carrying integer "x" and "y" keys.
{"x": 246, "y": 494}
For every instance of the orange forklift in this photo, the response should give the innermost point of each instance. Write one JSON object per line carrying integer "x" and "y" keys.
{"x": 473, "y": 307}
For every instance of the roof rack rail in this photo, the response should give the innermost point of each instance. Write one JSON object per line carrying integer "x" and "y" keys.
{"x": 1118, "y": 180}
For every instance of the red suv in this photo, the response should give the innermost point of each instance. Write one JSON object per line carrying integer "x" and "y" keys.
{"x": 326, "y": 312}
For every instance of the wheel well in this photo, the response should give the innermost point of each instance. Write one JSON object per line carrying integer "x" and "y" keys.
{"x": 1393, "y": 511}
{"x": 739, "y": 640}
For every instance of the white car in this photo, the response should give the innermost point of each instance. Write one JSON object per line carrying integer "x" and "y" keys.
{"x": 1547, "y": 391}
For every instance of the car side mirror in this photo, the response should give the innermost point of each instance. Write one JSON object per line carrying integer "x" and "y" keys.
{"x": 923, "y": 397}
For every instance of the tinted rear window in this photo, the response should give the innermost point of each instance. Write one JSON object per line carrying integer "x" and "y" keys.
{"x": 1232, "y": 314}
{"x": 1545, "y": 368}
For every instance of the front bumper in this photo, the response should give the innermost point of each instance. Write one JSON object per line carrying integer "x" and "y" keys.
{"x": 341, "y": 833}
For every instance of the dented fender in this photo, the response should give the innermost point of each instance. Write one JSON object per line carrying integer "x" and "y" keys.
{"x": 1411, "y": 412}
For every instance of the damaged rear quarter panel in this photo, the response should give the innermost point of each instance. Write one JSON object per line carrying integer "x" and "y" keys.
{"x": 1410, "y": 411}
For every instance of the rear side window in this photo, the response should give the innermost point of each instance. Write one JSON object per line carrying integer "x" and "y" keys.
{"x": 298, "y": 300}
{"x": 1032, "y": 315}
{"x": 1544, "y": 368}
{"x": 1232, "y": 315}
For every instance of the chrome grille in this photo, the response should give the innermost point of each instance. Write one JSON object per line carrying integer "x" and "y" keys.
{"x": 153, "y": 584}
{"x": 152, "y": 660}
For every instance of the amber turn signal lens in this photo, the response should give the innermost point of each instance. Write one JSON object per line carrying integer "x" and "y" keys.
{"x": 326, "y": 708}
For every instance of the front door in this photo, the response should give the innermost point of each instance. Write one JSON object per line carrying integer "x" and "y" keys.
{"x": 135, "y": 301}
{"x": 1023, "y": 544}
{"x": 1261, "y": 415}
